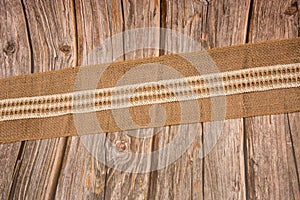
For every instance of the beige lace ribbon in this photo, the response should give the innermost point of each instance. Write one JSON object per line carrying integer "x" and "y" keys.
{"x": 246, "y": 80}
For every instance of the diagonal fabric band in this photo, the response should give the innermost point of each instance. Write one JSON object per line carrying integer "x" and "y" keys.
{"x": 248, "y": 80}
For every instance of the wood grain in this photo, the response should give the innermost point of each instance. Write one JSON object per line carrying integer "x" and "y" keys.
{"x": 183, "y": 178}
{"x": 96, "y": 21}
{"x": 15, "y": 59}
{"x": 124, "y": 185}
{"x": 82, "y": 175}
{"x": 268, "y": 159}
{"x": 271, "y": 163}
{"x": 224, "y": 165}
{"x": 205, "y": 23}
{"x": 294, "y": 131}
{"x": 254, "y": 158}
{"x": 227, "y": 25}
{"x": 52, "y": 36}
{"x": 292, "y": 137}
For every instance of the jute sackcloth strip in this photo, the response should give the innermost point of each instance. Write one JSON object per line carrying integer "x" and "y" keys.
{"x": 254, "y": 79}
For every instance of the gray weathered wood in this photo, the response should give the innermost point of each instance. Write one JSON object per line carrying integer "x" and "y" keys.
{"x": 136, "y": 15}
{"x": 294, "y": 130}
{"x": 52, "y": 38}
{"x": 258, "y": 159}
{"x": 96, "y": 21}
{"x": 272, "y": 172}
{"x": 269, "y": 174}
{"x": 205, "y": 23}
{"x": 224, "y": 167}
{"x": 15, "y": 59}
{"x": 293, "y": 150}
{"x": 183, "y": 178}
{"x": 82, "y": 176}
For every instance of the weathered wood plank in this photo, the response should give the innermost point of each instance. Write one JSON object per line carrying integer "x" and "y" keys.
{"x": 125, "y": 185}
{"x": 273, "y": 20}
{"x": 32, "y": 170}
{"x": 96, "y": 21}
{"x": 183, "y": 178}
{"x": 292, "y": 137}
{"x": 224, "y": 167}
{"x": 15, "y": 56}
{"x": 15, "y": 59}
{"x": 52, "y": 37}
{"x": 293, "y": 144}
{"x": 272, "y": 173}
{"x": 82, "y": 175}
{"x": 227, "y": 23}
{"x": 205, "y": 22}
{"x": 294, "y": 130}
{"x": 141, "y": 15}
{"x": 269, "y": 174}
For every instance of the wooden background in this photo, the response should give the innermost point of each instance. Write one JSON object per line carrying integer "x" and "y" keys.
{"x": 256, "y": 158}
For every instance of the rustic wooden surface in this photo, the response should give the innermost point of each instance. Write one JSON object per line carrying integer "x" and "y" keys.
{"x": 14, "y": 60}
{"x": 255, "y": 158}
{"x": 272, "y": 172}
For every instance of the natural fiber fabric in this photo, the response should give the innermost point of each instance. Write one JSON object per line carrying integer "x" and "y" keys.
{"x": 255, "y": 79}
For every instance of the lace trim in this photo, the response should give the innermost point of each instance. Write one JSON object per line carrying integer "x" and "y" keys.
{"x": 183, "y": 89}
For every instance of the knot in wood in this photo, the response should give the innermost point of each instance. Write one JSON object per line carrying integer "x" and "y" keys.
{"x": 9, "y": 49}
{"x": 292, "y": 10}
{"x": 66, "y": 49}
{"x": 121, "y": 145}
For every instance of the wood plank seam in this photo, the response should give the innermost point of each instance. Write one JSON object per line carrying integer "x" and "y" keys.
{"x": 293, "y": 150}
